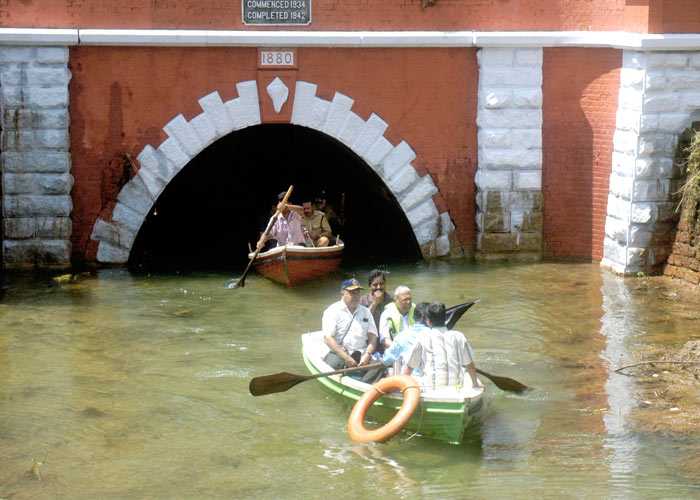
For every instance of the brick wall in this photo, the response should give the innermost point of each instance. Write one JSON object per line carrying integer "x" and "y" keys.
{"x": 684, "y": 261}
{"x": 427, "y": 96}
{"x": 681, "y": 16}
{"x": 326, "y": 14}
{"x": 580, "y": 102}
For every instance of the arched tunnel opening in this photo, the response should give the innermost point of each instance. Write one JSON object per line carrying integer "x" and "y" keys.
{"x": 221, "y": 201}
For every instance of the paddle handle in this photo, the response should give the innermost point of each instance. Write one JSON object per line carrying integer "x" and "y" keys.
{"x": 345, "y": 370}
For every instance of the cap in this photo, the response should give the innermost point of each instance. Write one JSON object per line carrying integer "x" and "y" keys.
{"x": 351, "y": 284}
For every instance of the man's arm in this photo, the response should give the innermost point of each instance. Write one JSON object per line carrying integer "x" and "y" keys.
{"x": 385, "y": 329}
{"x": 325, "y": 227}
{"x": 467, "y": 357}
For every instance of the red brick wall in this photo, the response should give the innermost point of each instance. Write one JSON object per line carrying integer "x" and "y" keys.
{"x": 326, "y": 14}
{"x": 681, "y": 16}
{"x": 580, "y": 91}
{"x": 122, "y": 97}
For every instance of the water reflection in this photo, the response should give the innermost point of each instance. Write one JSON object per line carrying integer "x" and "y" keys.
{"x": 136, "y": 386}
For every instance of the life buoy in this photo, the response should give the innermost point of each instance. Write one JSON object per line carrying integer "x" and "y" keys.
{"x": 411, "y": 397}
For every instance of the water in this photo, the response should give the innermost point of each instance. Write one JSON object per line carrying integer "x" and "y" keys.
{"x": 128, "y": 386}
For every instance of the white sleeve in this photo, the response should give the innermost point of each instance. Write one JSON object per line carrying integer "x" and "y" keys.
{"x": 328, "y": 322}
{"x": 384, "y": 331}
{"x": 467, "y": 353}
{"x": 415, "y": 357}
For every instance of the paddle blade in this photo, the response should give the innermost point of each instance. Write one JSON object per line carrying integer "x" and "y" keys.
{"x": 278, "y": 382}
{"x": 505, "y": 383}
{"x": 455, "y": 312}
{"x": 233, "y": 284}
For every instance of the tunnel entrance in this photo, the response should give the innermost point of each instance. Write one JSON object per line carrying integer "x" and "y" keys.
{"x": 222, "y": 199}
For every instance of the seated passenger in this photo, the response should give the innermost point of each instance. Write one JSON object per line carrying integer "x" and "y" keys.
{"x": 397, "y": 316}
{"x": 377, "y": 298}
{"x": 321, "y": 203}
{"x": 315, "y": 225}
{"x": 349, "y": 332}
{"x": 287, "y": 228}
{"x": 440, "y": 354}
{"x": 397, "y": 353}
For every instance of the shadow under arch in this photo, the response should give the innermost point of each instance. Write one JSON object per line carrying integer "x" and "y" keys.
{"x": 221, "y": 200}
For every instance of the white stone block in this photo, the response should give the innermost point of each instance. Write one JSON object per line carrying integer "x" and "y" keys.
{"x": 136, "y": 196}
{"x": 658, "y": 103}
{"x": 46, "y": 97}
{"x": 44, "y": 118}
{"x": 422, "y": 191}
{"x": 402, "y": 180}
{"x": 656, "y": 144}
{"x": 619, "y": 207}
{"x": 243, "y": 114}
{"x": 630, "y": 99}
{"x": 615, "y": 254}
{"x": 419, "y": 214}
{"x": 442, "y": 246}
{"x": 426, "y": 232}
{"x": 9, "y": 54}
{"x": 616, "y": 230}
{"x": 531, "y": 181}
{"x": 651, "y": 190}
{"x": 509, "y": 118}
{"x": 523, "y": 138}
{"x": 446, "y": 224}
{"x": 655, "y": 167}
{"x": 499, "y": 76}
{"x": 49, "y": 228}
{"x": 319, "y": 111}
{"x": 171, "y": 150}
{"x": 656, "y": 81}
{"x": 304, "y": 95}
{"x": 625, "y": 142}
{"x": 528, "y": 57}
{"x": 337, "y": 114}
{"x": 695, "y": 60}
{"x": 154, "y": 162}
{"x": 399, "y": 157}
{"x": 621, "y": 186}
{"x": 495, "y": 138}
{"x": 37, "y": 205}
{"x": 667, "y": 60}
{"x": 52, "y": 55}
{"x": 376, "y": 154}
{"x": 11, "y": 75}
{"x": 488, "y": 56}
{"x": 153, "y": 182}
{"x": 35, "y": 161}
{"x": 632, "y": 78}
{"x": 109, "y": 254}
{"x": 634, "y": 59}
{"x": 497, "y": 99}
{"x": 43, "y": 76}
{"x": 372, "y": 131}
{"x": 685, "y": 79}
{"x": 690, "y": 101}
{"x": 493, "y": 180}
{"x": 527, "y": 159}
{"x": 673, "y": 123}
{"x": 113, "y": 233}
{"x": 34, "y": 139}
{"x": 40, "y": 184}
{"x": 640, "y": 236}
{"x": 527, "y": 98}
{"x": 643, "y": 213}
{"x": 351, "y": 129}
{"x": 217, "y": 113}
{"x": 623, "y": 164}
{"x": 205, "y": 129}
{"x": 179, "y": 129}
{"x": 127, "y": 217}
{"x": 648, "y": 122}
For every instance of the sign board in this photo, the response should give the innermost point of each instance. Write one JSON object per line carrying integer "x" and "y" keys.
{"x": 277, "y": 58}
{"x": 276, "y": 12}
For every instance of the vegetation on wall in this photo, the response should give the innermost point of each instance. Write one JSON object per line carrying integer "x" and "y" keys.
{"x": 689, "y": 162}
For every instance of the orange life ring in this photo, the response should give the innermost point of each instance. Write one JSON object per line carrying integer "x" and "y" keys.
{"x": 411, "y": 397}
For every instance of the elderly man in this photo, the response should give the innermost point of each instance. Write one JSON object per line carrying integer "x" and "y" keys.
{"x": 349, "y": 331}
{"x": 396, "y": 355}
{"x": 440, "y": 356}
{"x": 397, "y": 316}
{"x": 287, "y": 228}
{"x": 316, "y": 225}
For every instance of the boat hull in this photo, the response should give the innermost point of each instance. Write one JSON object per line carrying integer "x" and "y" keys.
{"x": 292, "y": 265}
{"x": 437, "y": 417}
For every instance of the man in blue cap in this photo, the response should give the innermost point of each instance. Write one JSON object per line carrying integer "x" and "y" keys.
{"x": 349, "y": 331}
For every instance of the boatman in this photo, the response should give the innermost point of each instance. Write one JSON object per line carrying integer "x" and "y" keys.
{"x": 349, "y": 332}
{"x": 287, "y": 228}
{"x": 315, "y": 225}
{"x": 397, "y": 316}
{"x": 440, "y": 356}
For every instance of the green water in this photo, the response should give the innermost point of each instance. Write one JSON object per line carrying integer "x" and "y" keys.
{"x": 129, "y": 386}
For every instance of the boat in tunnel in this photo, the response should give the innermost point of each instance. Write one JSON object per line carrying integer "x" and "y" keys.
{"x": 293, "y": 265}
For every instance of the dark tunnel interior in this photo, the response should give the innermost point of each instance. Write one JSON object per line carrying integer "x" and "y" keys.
{"x": 221, "y": 201}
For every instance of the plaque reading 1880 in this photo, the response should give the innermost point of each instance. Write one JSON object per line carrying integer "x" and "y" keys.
{"x": 276, "y": 11}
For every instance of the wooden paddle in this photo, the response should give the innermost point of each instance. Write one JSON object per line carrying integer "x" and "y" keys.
{"x": 240, "y": 283}
{"x": 280, "y": 382}
{"x": 504, "y": 383}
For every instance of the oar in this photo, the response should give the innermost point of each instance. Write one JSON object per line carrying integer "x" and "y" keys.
{"x": 504, "y": 383}
{"x": 280, "y": 382}
{"x": 240, "y": 283}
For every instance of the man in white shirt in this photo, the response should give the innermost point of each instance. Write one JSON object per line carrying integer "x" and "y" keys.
{"x": 442, "y": 355}
{"x": 349, "y": 331}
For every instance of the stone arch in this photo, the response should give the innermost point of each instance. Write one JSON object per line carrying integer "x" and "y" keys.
{"x": 334, "y": 118}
